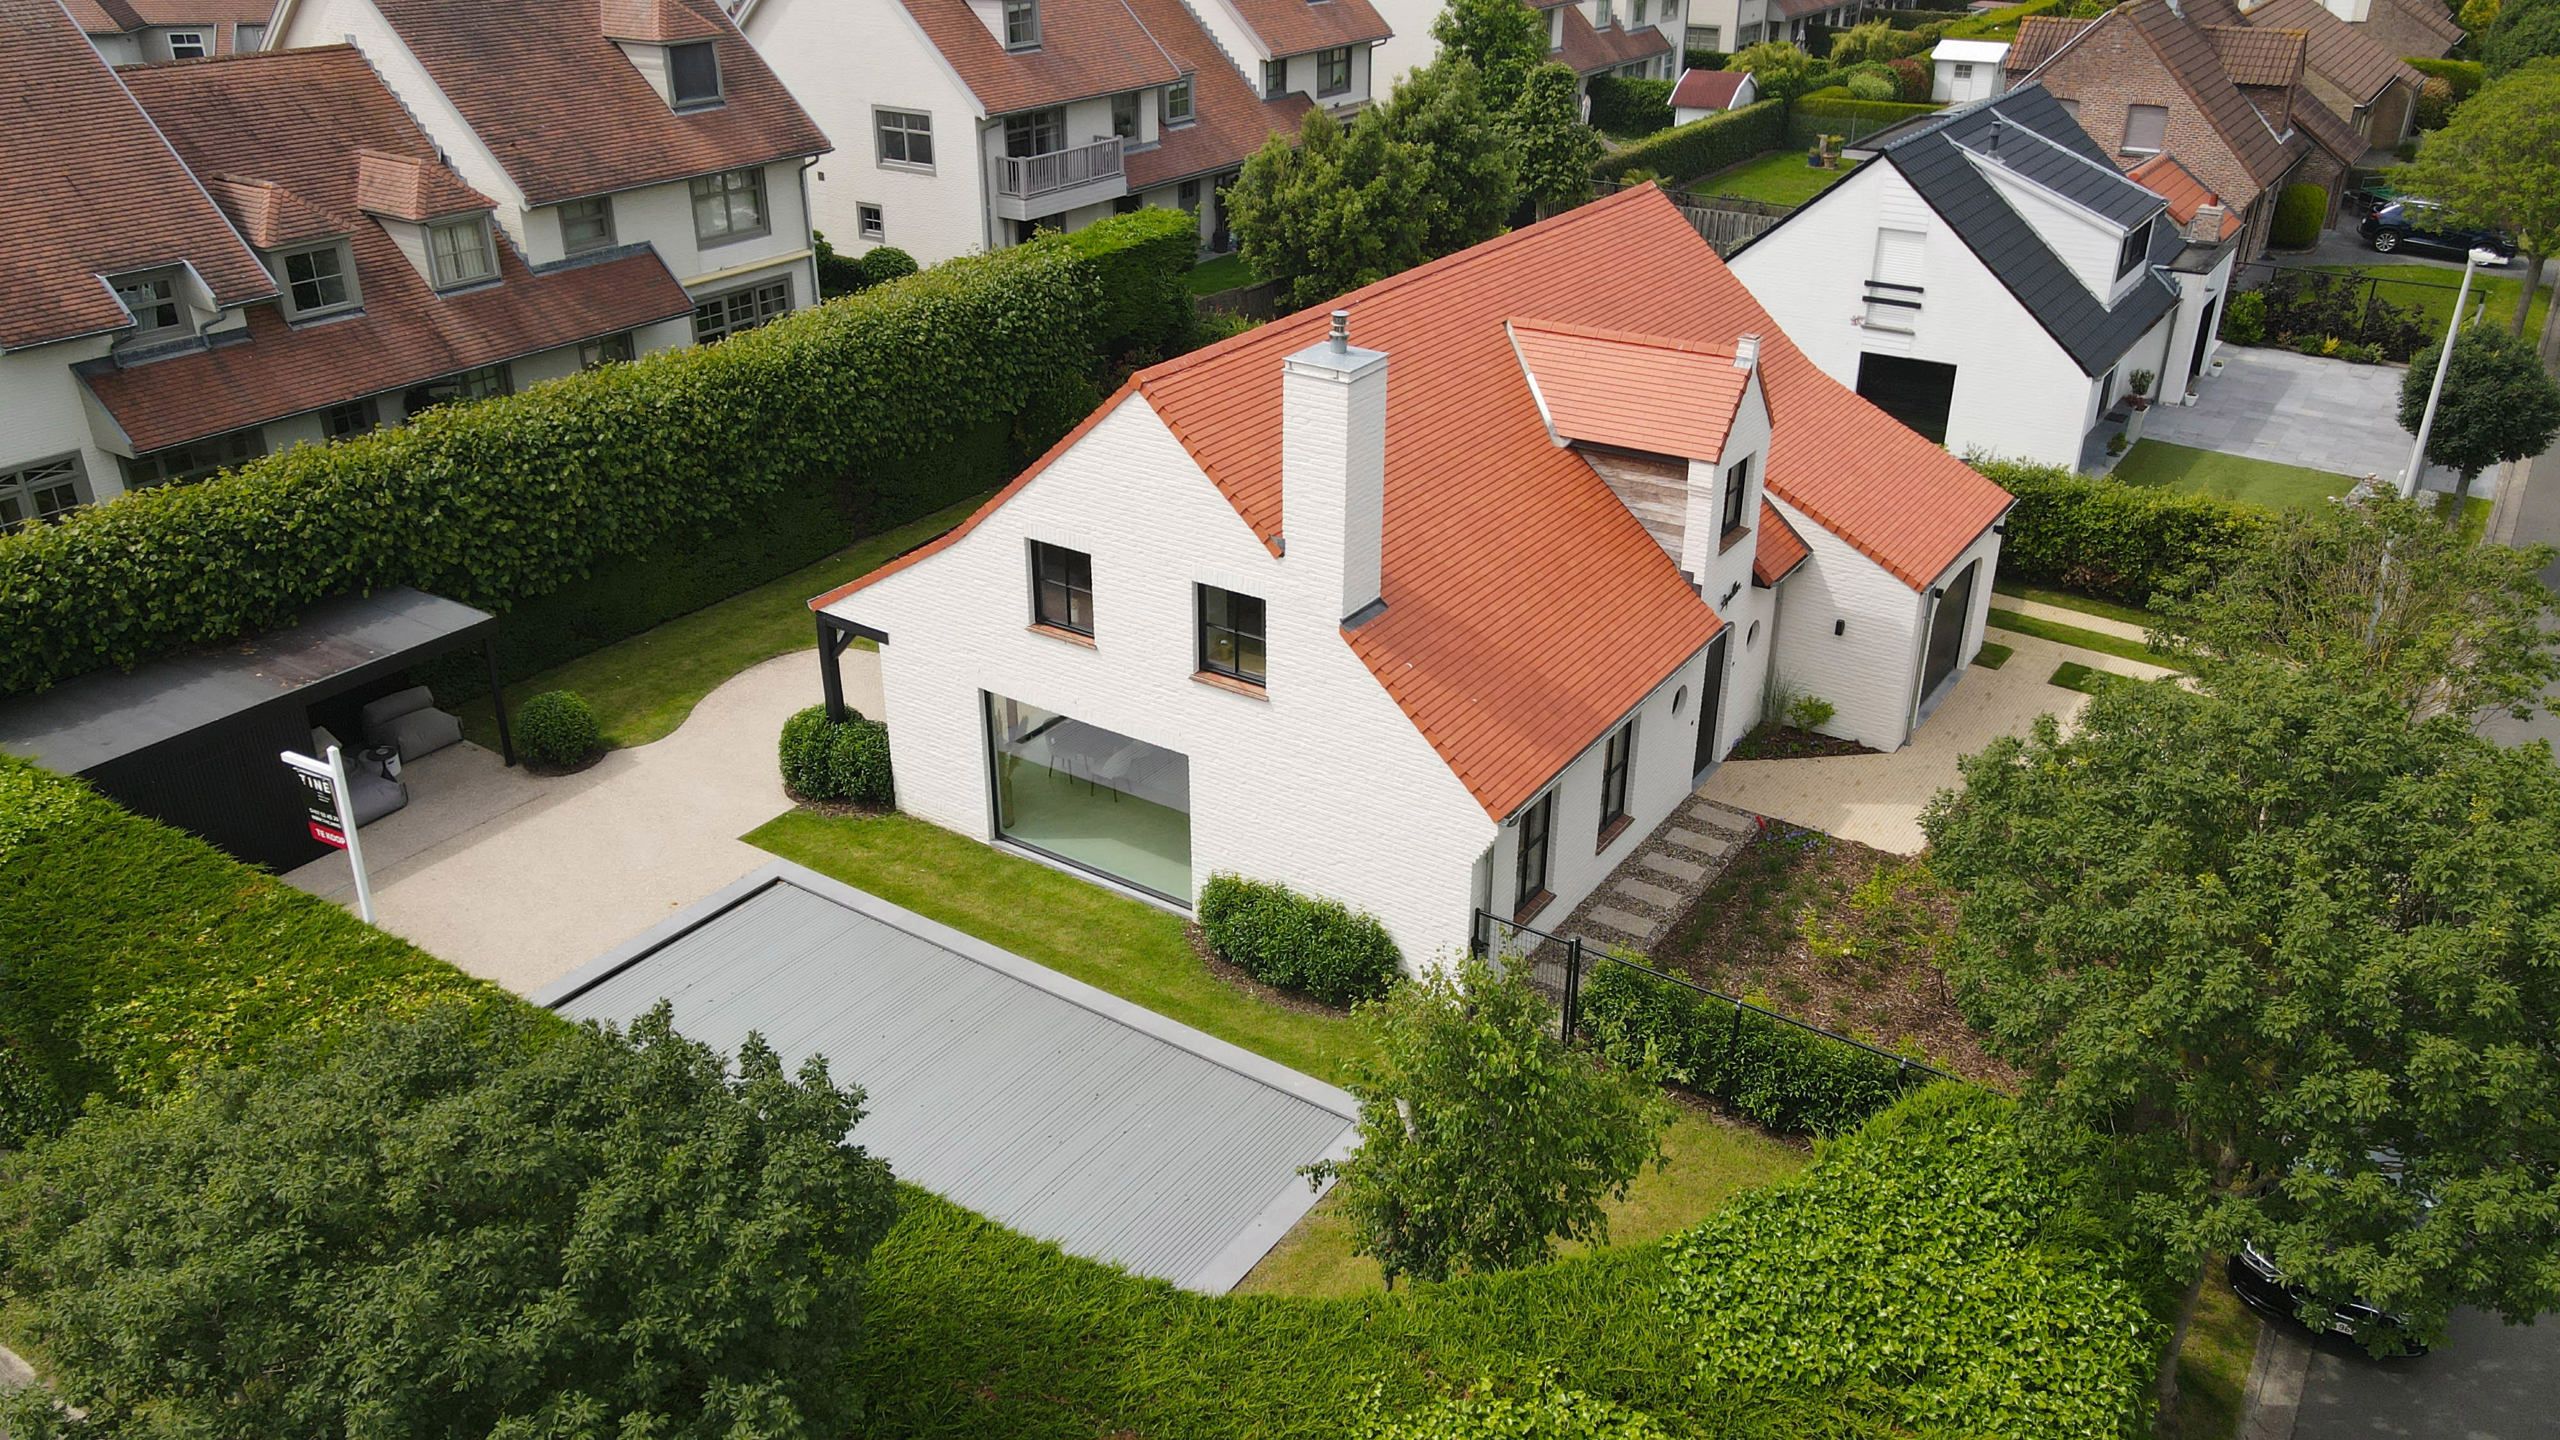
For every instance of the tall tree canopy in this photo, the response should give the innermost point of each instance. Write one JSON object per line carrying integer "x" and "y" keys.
{"x": 2498, "y": 404}
{"x": 1503, "y": 39}
{"x": 1465, "y": 177}
{"x": 1337, "y": 210}
{"x": 1554, "y": 149}
{"x": 2525, "y": 31}
{"x": 2497, "y": 163}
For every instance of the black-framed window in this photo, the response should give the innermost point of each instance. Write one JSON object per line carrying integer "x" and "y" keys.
{"x": 1061, "y": 587}
{"x": 1529, "y": 868}
{"x": 1615, "y": 762}
{"x": 1275, "y": 79}
{"x": 1333, "y": 70}
{"x": 1124, "y": 115}
{"x": 693, "y": 74}
{"x": 2137, "y": 244}
{"x": 355, "y": 417}
{"x": 1737, "y": 485}
{"x": 1231, "y": 635}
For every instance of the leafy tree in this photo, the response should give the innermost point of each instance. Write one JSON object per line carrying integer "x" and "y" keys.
{"x": 1482, "y": 1136}
{"x": 1337, "y": 210}
{"x": 1548, "y": 1413}
{"x": 2496, "y": 163}
{"x": 1554, "y": 149}
{"x": 1867, "y": 40}
{"x": 1466, "y": 179}
{"x": 2294, "y": 954}
{"x": 2525, "y": 31}
{"x": 1503, "y": 39}
{"x": 2498, "y": 404}
{"x": 458, "y": 1228}
{"x": 2460, "y": 628}
{"x": 2476, "y": 16}
{"x": 1778, "y": 69}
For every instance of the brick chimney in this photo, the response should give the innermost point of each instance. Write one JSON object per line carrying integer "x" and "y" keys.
{"x": 1333, "y": 464}
{"x": 2206, "y": 227}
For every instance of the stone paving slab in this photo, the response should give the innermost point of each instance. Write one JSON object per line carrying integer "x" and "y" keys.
{"x": 1686, "y": 839}
{"x": 1633, "y": 927}
{"x": 1648, "y": 892}
{"x": 1685, "y": 871}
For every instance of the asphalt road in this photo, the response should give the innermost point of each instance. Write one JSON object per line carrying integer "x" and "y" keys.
{"x": 2488, "y": 1381}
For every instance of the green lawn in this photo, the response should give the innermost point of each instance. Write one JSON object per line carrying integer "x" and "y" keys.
{"x": 1779, "y": 177}
{"x": 2231, "y": 477}
{"x": 2060, "y": 634}
{"x": 645, "y": 686}
{"x": 2068, "y": 600}
{"x": 2213, "y": 1366}
{"x": 2072, "y": 675}
{"x": 1224, "y": 273}
{"x": 1991, "y": 655}
{"x": 1711, "y": 1161}
{"x": 2430, "y": 291}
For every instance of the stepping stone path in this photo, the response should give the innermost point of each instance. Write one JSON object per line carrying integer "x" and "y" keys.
{"x": 1661, "y": 878}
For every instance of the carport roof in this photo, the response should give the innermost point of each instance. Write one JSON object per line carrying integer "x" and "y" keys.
{"x": 1058, "y": 1109}
{"x": 108, "y": 714}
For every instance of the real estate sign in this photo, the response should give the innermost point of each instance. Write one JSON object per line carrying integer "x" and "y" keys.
{"x": 329, "y": 808}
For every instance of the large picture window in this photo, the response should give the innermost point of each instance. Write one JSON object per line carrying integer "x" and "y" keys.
{"x": 1093, "y": 798}
{"x": 729, "y": 205}
{"x": 1615, "y": 762}
{"x": 1061, "y": 588}
{"x": 1529, "y": 877}
{"x": 1231, "y": 635}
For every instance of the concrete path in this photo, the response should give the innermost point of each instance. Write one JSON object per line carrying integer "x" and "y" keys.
{"x": 518, "y": 878}
{"x": 2332, "y": 415}
{"x": 2059, "y": 615}
{"x": 1876, "y": 799}
{"x": 1636, "y": 905}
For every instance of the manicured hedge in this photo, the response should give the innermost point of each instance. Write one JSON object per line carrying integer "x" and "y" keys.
{"x": 844, "y": 759}
{"x": 1834, "y": 105}
{"x": 2463, "y": 77}
{"x": 1624, "y": 106}
{"x": 2300, "y": 211}
{"x": 2000, "y": 24}
{"x": 2114, "y": 541}
{"x": 1935, "y": 1253}
{"x": 511, "y": 498}
{"x": 1703, "y": 146}
{"x": 1771, "y": 1073}
{"x": 557, "y": 730}
{"x": 1299, "y": 942}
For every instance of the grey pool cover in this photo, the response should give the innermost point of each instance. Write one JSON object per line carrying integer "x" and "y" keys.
{"x": 1061, "y": 1110}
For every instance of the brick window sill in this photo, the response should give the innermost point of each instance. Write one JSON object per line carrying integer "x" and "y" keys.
{"x": 1530, "y": 907}
{"x": 1059, "y": 632}
{"x": 1231, "y": 684}
{"x": 1733, "y": 537}
{"x": 1611, "y": 831}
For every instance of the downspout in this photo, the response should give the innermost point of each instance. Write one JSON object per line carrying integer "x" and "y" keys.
{"x": 809, "y": 226}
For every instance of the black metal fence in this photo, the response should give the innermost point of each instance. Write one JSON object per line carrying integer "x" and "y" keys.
{"x": 2392, "y": 315}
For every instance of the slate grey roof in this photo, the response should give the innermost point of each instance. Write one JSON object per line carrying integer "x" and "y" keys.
{"x": 1935, "y": 159}
{"x": 1060, "y": 1110}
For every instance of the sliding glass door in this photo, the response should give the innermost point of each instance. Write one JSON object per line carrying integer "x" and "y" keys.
{"x": 1091, "y": 797}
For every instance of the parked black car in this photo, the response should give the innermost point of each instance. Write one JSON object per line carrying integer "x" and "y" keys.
{"x": 2264, "y": 1288}
{"x": 2417, "y": 225}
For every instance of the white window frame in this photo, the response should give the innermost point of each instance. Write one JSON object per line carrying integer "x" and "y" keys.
{"x": 725, "y": 185}
{"x": 350, "y": 297}
{"x": 440, "y": 268}
{"x": 888, "y": 120}
{"x": 192, "y": 39}
{"x": 719, "y": 82}
{"x": 603, "y": 211}
{"x": 870, "y": 220}
{"x": 23, "y": 488}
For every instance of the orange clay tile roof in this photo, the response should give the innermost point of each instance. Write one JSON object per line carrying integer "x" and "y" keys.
{"x": 296, "y": 120}
{"x": 88, "y": 189}
{"x": 1526, "y": 609}
{"x": 411, "y": 187}
{"x": 1087, "y": 48}
{"x": 1777, "y": 550}
{"x": 1589, "y": 50}
{"x": 269, "y": 214}
{"x": 1579, "y": 377}
{"x": 1229, "y": 121}
{"x": 656, "y": 22}
{"x": 1706, "y": 89}
{"x": 2186, "y": 194}
{"x": 1294, "y": 27}
{"x": 568, "y": 115}
{"x": 2258, "y": 57}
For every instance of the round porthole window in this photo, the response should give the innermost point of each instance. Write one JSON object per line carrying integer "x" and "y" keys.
{"x": 1679, "y": 699}
{"x": 1751, "y": 636}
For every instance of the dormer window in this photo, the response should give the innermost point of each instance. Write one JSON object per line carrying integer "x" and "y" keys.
{"x": 158, "y": 314}
{"x": 318, "y": 280}
{"x": 2137, "y": 244}
{"x": 693, "y": 75}
{"x": 1022, "y": 24}
{"x": 1737, "y": 486}
{"x": 188, "y": 45}
{"x": 459, "y": 252}
{"x": 1275, "y": 79}
{"x": 1177, "y": 102}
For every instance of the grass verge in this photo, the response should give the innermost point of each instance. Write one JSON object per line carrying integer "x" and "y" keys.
{"x": 2061, "y": 634}
{"x": 2189, "y": 471}
{"x": 2072, "y": 600}
{"x": 2072, "y": 675}
{"x": 1227, "y": 272}
{"x": 1779, "y": 177}
{"x": 2213, "y": 1366}
{"x": 1129, "y": 948}
{"x": 1992, "y": 655}
{"x": 644, "y": 687}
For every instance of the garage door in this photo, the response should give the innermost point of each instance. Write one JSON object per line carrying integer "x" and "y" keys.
{"x": 1032, "y": 1098}
{"x": 1916, "y": 392}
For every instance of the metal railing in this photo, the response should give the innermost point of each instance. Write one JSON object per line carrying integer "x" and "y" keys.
{"x": 1026, "y": 177}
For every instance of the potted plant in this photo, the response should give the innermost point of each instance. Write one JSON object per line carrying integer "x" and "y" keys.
{"x": 2141, "y": 397}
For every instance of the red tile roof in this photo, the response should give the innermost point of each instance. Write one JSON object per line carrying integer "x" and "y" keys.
{"x": 220, "y": 20}
{"x": 1777, "y": 549}
{"x": 1590, "y": 51}
{"x": 1579, "y": 377}
{"x": 1294, "y": 27}
{"x": 2175, "y": 183}
{"x": 88, "y": 189}
{"x": 568, "y": 115}
{"x": 1527, "y": 609}
{"x": 656, "y": 22}
{"x": 2039, "y": 37}
{"x": 1229, "y": 122}
{"x": 296, "y": 120}
{"x": 2432, "y": 17}
{"x": 269, "y": 214}
{"x": 1706, "y": 89}
{"x": 1087, "y": 48}
{"x": 414, "y": 188}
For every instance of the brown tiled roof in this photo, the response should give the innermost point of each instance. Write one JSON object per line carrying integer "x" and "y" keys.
{"x": 1589, "y": 50}
{"x": 2190, "y": 57}
{"x": 656, "y": 22}
{"x": 1087, "y": 48}
{"x": 1510, "y": 670}
{"x": 1230, "y": 121}
{"x": 2340, "y": 139}
{"x": 297, "y": 120}
{"x": 2431, "y": 17}
{"x": 219, "y": 19}
{"x": 2164, "y": 175}
{"x": 1294, "y": 27}
{"x": 411, "y": 187}
{"x": 269, "y": 214}
{"x": 2257, "y": 57}
{"x": 568, "y": 115}
{"x": 1777, "y": 550}
{"x": 1706, "y": 89}
{"x": 87, "y": 189}
{"x": 2339, "y": 52}
{"x": 2039, "y": 36}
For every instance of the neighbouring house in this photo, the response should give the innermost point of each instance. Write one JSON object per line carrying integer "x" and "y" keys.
{"x": 2402, "y": 27}
{"x": 266, "y": 251}
{"x": 1440, "y": 612}
{"x": 2369, "y": 87}
{"x": 1992, "y": 280}
{"x": 1963, "y": 71}
{"x": 2228, "y": 101}
{"x": 1636, "y": 39}
{"x": 970, "y": 124}
{"x": 597, "y": 124}
{"x": 157, "y": 32}
{"x": 1701, "y": 93}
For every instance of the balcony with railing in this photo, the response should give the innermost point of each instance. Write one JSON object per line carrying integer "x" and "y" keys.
{"x": 1029, "y": 186}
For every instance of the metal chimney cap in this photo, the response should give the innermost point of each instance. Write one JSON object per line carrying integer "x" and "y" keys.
{"x": 1340, "y": 339}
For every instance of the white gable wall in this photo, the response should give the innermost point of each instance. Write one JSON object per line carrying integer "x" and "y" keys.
{"x": 2086, "y": 244}
{"x": 1324, "y": 784}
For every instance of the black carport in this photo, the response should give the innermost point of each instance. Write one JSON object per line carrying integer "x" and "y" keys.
{"x": 192, "y": 740}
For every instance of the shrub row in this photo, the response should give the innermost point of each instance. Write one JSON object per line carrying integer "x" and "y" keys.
{"x": 1934, "y": 1248}
{"x": 846, "y": 759}
{"x": 1998, "y": 24}
{"x": 2462, "y": 77}
{"x": 1834, "y": 105}
{"x": 1772, "y": 1073}
{"x": 1299, "y": 942}
{"x": 1702, "y": 147}
{"x": 511, "y": 498}
{"x": 1624, "y": 106}
{"x": 2114, "y": 541}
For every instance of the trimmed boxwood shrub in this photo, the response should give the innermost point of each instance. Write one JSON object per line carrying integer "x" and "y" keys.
{"x": 1771, "y": 1073}
{"x": 1299, "y": 942}
{"x": 844, "y": 759}
{"x": 2300, "y": 209}
{"x": 1834, "y": 105}
{"x": 557, "y": 730}
{"x": 1703, "y": 146}
{"x": 2114, "y": 541}
{"x": 884, "y": 263}
{"x": 499, "y": 501}
{"x": 1621, "y": 105}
